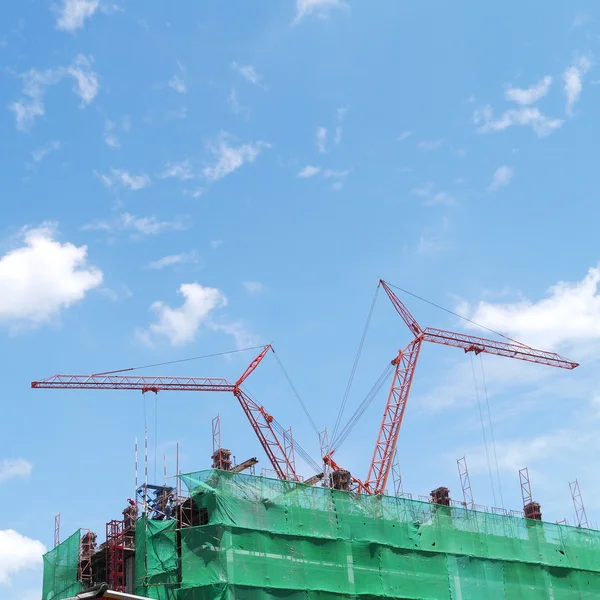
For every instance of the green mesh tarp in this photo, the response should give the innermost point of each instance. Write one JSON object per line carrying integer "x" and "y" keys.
{"x": 269, "y": 539}
{"x": 61, "y": 569}
{"x": 156, "y": 559}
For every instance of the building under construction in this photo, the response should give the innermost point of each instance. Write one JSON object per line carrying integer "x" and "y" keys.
{"x": 236, "y": 535}
{"x": 223, "y": 533}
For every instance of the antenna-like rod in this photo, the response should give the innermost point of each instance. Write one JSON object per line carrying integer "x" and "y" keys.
{"x": 581, "y": 515}
{"x": 136, "y": 463}
{"x": 57, "y": 530}
{"x": 465, "y": 482}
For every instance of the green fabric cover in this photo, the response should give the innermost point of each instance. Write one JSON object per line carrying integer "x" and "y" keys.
{"x": 61, "y": 570}
{"x": 156, "y": 559}
{"x": 268, "y": 539}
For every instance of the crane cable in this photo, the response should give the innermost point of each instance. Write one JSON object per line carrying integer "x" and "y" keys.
{"x": 460, "y": 316}
{"x": 343, "y": 435}
{"x": 181, "y": 360}
{"x": 354, "y": 366}
{"x": 298, "y": 448}
{"x": 487, "y": 454}
{"x": 289, "y": 380}
{"x": 280, "y": 429}
{"x": 487, "y": 401}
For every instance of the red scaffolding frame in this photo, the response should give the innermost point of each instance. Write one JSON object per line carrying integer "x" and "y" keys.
{"x": 115, "y": 555}
{"x": 86, "y": 549}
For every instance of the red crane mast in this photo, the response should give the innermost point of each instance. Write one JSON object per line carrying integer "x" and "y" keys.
{"x": 405, "y": 364}
{"x": 260, "y": 420}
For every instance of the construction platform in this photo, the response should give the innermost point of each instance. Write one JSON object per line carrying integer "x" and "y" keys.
{"x": 256, "y": 538}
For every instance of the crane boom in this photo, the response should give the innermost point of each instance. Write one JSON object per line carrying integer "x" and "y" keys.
{"x": 407, "y": 317}
{"x": 380, "y": 468}
{"x": 144, "y": 384}
{"x": 406, "y": 363}
{"x": 260, "y": 420}
{"x": 472, "y": 343}
{"x": 252, "y": 366}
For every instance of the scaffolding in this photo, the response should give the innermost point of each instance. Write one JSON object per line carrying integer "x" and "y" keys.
{"x": 115, "y": 555}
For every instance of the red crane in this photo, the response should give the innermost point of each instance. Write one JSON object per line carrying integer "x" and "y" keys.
{"x": 260, "y": 420}
{"x": 405, "y": 363}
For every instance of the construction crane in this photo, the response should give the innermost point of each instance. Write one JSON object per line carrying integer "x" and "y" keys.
{"x": 404, "y": 369}
{"x": 261, "y": 421}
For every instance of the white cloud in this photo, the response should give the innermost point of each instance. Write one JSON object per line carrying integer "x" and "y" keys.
{"x": 177, "y": 82}
{"x": 248, "y": 72}
{"x": 340, "y": 115}
{"x": 181, "y": 325}
{"x": 308, "y": 171}
{"x": 243, "y": 338}
{"x": 110, "y": 138}
{"x": 12, "y": 468}
{"x": 196, "y": 193}
{"x": 40, "y": 153}
{"x": 31, "y": 104}
{"x": 311, "y": 171}
{"x": 28, "y": 109}
{"x": 230, "y": 158}
{"x": 138, "y": 225}
{"x": 178, "y": 113}
{"x": 428, "y": 145}
{"x": 253, "y": 287}
{"x": 320, "y": 8}
{"x": 42, "y": 277}
{"x": 150, "y": 225}
{"x": 580, "y": 20}
{"x": 501, "y": 178}
{"x": 86, "y": 81}
{"x": 110, "y": 132}
{"x": 515, "y": 454}
{"x": 404, "y": 135}
{"x": 569, "y": 314}
{"x": 435, "y": 239}
{"x": 216, "y": 243}
{"x": 333, "y": 174}
{"x": 573, "y": 83}
{"x": 531, "y": 94}
{"x": 525, "y": 116}
{"x": 173, "y": 259}
{"x": 114, "y": 295}
{"x": 18, "y": 553}
{"x": 73, "y": 13}
{"x": 26, "y": 113}
{"x": 321, "y": 139}
{"x": 235, "y": 104}
{"x": 181, "y": 171}
{"x": 431, "y": 197}
{"x": 119, "y": 177}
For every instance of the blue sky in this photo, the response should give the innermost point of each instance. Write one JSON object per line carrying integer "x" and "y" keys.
{"x": 209, "y": 177}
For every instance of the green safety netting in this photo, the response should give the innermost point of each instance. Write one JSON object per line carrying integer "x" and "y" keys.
{"x": 269, "y": 539}
{"x": 156, "y": 559}
{"x": 61, "y": 570}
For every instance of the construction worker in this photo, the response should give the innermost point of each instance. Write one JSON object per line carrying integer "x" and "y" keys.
{"x": 169, "y": 508}
{"x": 130, "y": 513}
